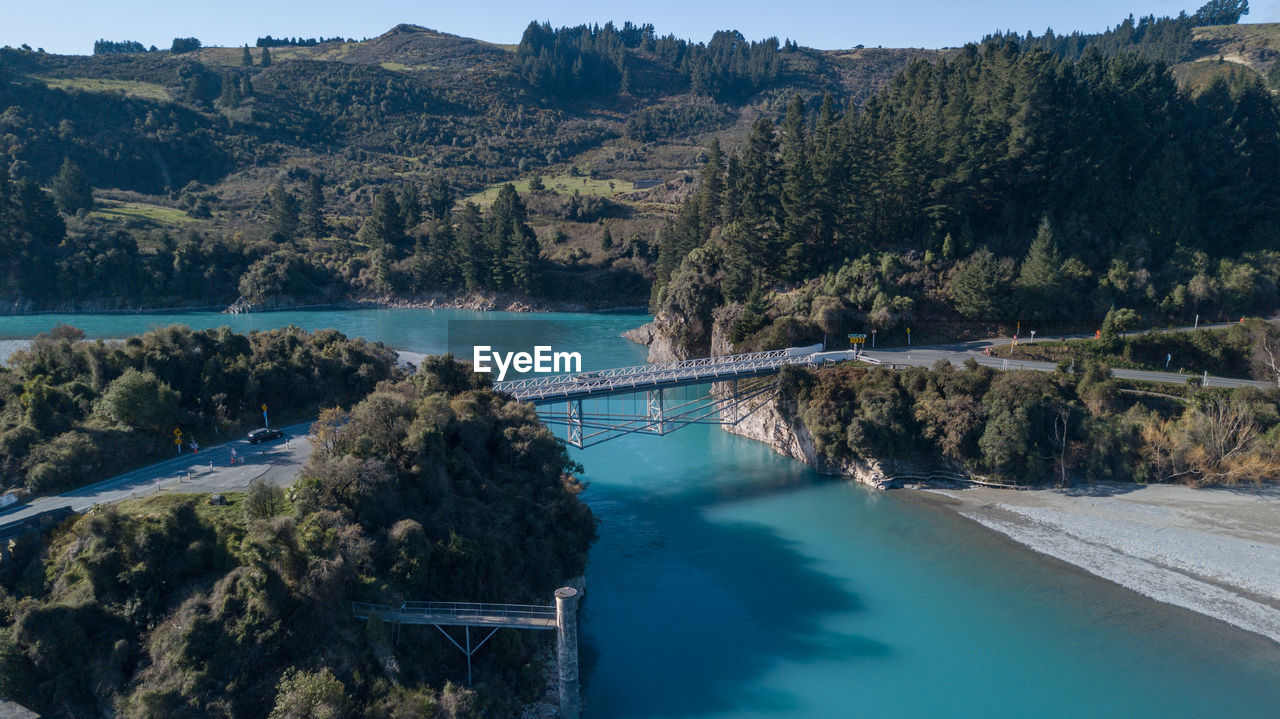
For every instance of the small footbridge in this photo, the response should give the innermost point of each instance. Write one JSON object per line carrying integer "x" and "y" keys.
{"x": 561, "y": 617}
{"x": 661, "y": 398}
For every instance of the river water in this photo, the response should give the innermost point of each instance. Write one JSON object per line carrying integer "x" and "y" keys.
{"x": 730, "y": 582}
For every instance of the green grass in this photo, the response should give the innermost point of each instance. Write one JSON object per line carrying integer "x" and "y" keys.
{"x": 155, "y": 214}
{"x": 162, "y": 502}
{"x": 560, "y": 184}
{"x": 131, "y": 88}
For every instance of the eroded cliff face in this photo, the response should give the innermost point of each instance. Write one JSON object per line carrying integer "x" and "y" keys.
{"x": 673, "y": 337}
{"x": 767, "y": 421}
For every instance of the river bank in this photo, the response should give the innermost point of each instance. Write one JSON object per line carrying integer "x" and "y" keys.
{"x": 476, "y": 301}
{"x": 1215, "y": 551}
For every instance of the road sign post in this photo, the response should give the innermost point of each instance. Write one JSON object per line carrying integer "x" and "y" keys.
{"x": 265, "y": 421}
{"x": 908, "y": 336}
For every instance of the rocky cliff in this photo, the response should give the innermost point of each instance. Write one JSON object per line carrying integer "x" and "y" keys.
{"x": 769, "y": 421}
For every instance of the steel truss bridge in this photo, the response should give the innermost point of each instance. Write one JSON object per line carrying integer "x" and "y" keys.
{"x": 661, "y": 398}
{"x": 561, "y": 617}
{"x": 459, "y": 614}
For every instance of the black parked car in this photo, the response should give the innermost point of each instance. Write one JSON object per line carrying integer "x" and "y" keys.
{"x": 262, "y": 434}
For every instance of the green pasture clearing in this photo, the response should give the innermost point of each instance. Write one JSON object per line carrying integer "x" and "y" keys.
{"x": 560, "y": 184}
{"x": 157, "y": 214}
{"x": 131, "y": 88}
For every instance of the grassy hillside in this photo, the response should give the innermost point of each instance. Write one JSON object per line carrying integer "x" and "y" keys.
{"x": 1256, "y": 46}
{"x": 185, "y": 147}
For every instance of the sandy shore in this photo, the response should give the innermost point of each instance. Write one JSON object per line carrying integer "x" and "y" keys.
{"x": 1213, "y": 551}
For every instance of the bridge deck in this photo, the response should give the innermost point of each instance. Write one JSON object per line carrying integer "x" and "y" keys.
{"x": 455, "y": 614}
{"x": 622, "y": 380}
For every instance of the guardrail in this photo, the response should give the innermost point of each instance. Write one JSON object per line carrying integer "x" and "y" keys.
{"x": 460, "y": 610}
{"x": 478, "y": 613}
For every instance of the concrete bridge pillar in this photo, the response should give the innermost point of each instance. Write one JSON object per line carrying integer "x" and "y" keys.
{"x": 567, "y": 650}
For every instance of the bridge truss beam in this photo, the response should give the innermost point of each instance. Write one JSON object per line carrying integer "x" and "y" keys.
{"x": 589, "y": 422}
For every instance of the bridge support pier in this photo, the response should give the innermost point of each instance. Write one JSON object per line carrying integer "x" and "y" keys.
{"x": 657, "y": 422}
{"x": 567, "y": 650}
{"x": 573, "y": 416}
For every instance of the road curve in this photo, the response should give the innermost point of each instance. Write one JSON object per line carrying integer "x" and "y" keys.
{"x": 277, "y": 462}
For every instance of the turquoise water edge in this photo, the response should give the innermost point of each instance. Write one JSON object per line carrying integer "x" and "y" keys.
{"x": 731, "y": 582}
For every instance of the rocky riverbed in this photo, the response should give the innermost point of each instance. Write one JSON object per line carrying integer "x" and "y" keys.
{"x": 1215, "y": 551}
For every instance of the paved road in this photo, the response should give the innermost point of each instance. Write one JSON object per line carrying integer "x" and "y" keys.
{"x": 957, "y": 353}
{"x": 277, "y": 462}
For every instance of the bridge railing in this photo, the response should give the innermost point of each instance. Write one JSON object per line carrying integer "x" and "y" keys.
{"x": 466, "y": 609}
{"x": 616, "y": 372}
{"x": 652, "y": 376}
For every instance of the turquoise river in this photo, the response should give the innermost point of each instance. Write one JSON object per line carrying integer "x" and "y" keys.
{"x": 730, "y": 582}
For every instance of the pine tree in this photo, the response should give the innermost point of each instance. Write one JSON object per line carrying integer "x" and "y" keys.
{"x": 801, "y": 232}
{"x": 522, "y": 259}
{"x": 266, "y": 57}
{"x": 71, "y": 189}
{"x": 444, "y": 258}
{"x": 282, "y": 215}
{"x": 469, "y": 243}
{"x": 229, "y": 97}
{"x": 1040, "y": 280}
{"x": 711, "y": 195}
{"x": 439, "y": 198}
{"x": 979, "y": 288}
{"x": 313, "y": 224}
{"x": 948, "y": 247}
{"x": 761, "y": 176}
{"x": 606, "y": 239}
{"x": 35, "y": 214}
{"x": 384, "y": 228}
{"x": 410, "y": 206}
{"x": 506, "y": 212}
{"x": 246, "y": 59}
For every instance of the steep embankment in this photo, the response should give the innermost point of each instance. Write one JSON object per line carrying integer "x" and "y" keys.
{"x": 767, "y": 421}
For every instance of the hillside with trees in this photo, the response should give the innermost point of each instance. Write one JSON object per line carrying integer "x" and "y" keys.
{"x": 194, "y": 155}
{"x": 431, "y": 488}
{"x": 1032, "y": 428}
{"x": 329, "y": 170}
{"x": 1002, "y": 185}
{"x": 73, "y": 411}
